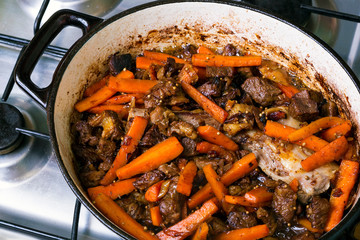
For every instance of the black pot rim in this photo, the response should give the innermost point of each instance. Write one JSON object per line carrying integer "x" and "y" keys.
{"x": 346, "y": 222}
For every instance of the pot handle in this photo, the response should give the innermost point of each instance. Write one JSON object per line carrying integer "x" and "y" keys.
{"x": 42, "y": 39}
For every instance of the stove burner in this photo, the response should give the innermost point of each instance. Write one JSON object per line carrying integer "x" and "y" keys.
{"x": 10, "y": 118}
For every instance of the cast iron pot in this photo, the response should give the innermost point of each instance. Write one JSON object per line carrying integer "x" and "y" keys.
{"x": 174, "y": 23}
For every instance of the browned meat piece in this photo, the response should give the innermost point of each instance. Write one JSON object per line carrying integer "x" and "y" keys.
{"x": 85, "y": 133}
{"x": 268, "y": 218}
{"x": 229, "y": 50}
{"x": 302, "y": 107}
{"x": 169, "y": 170}
{"x": 267, "y": 181}
{"x": 132, "y": 207}
{"x": 189, "y": 147}
{"x": 284, "y": 202}
{"x": 148, "y": 179}
{"x": 216, "y": 226}
{"x": 217, "y": 164}
{"x": 183, "y": 129}
{"x": 162, "y": 117}
{"x": 119, "y": 62}
{"x": 219, "y": 72}
{"x": 188, "y": 73}
{"x": 240, "y": 218}
{"x": 169, "y": 69}
{"x": 152, "y": 137}
{"x": 317, "y": 212}
{"x": 211, "y": 88}
{"x": 261, "y": 91}
{"x": 242, "y": 186}
{"x": 110, "y": 123}
{"x": 91, "y": 178}
{"x": 197, "y": 118}
{"x": 329, "y": 109}
{"x": 86, "y": 155}
{"x": 106, "y": 150}
{"x": 170, "y": 204}
{"x": 231, "y": 93}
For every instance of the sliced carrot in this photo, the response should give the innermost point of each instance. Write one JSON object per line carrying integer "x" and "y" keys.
{"x": 162, "y": 56}
{"x": 119, "y": 217}
{"x": 204, "y": 60}
{"x": 314, "y": 127}
{"x": 332, "y": 151}
{"x": 256, "y": 232}
{"x": 128, "y": 85}
{"x": 186, "y": 178}
{"x": 204, "y": 50}
{"x": 188, "y": 74}
{"x": 258, "y": 195}
{"x": 241, "y": 200}
{"x": 217, "y": 186}
{"x": 145, "y": 63}
{"x": 113, "y": 190}
{"x": 125, "y": 98}
{"x": 209, "y": 106}
{"x": 206, "y": 147}
{"x": 238, "y": 170}
{"x": 121, "y": 110}
{"x": 159, "y": 154}
{"x": 277, "y": 130}
{"x": 333, "y": 133}
{"x": 132, "y": 138}
{"x": 348, "y": 174}
{"x": 152, "y": 193}
{"x": 294, "y": 185}
{"x": 213, "y": 135}
{"x": 307, "y": 224}
{"x": 201, "y": 233}
{"x": 187, "y": 226}
{"x": 156, "y": 217}
{"x": 97, "y": 98}
{"x": 289, "y": 90}
{"x": 96, "y": 86}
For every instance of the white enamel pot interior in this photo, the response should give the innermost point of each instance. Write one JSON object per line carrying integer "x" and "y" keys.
{"x": 160, "y": 25}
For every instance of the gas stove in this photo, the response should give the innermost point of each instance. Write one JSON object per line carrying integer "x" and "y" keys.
{"x": 36, "y": 202}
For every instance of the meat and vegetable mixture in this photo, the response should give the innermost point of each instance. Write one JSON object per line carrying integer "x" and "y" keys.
{"x": 213, "y": 144}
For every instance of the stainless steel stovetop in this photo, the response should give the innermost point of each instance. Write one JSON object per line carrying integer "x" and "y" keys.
{"x": 33, "y": 192}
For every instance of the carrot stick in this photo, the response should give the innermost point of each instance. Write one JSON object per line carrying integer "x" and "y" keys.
{"x": 188, "y": 74}
{"x": 277, "y": 130}
{"x": 240, "y": 200}
{"x": 289, "y": 90}
{"x": 213, "y": 135}
{"x": 128, "y": 85}
{"x": 332, "y": 151}
{"x": 156, "y": 217}
{"x": 145, "y": 63}
{"x": 187, "y": 226}
{"x": 209, "y": 106}
{"x": 159, "y": 154}
{"x": 96, "y": 86}
{"x": 201, "y": 233}
{"x": 333, "y": 133}
{"x": 238, "y": 170}
{"x": 348, "y": 173}
{"x": 113, "y": 190}
{"x": 119, "y": 217}
{"x": 204, "y": 60}
{"x": 186, "y": 178}
{"x": 258, "y": 195}
{"x": 217, "y": 186}
{"x": 206, "y": 147}
{"x": 204, "y": 50}
{"x": 125, "y": 98}
{"x": 152, "y": 193}
{"x": 307, "y": 224}
{"x": 162, "y": 56}
{"x": 97, "y": 98}
{"x": 314, "y": 127}
{"x": 121, "y": 110}
{"x": 294, "y": 185}
{"x": 132, "y": 137}
{"x": 256, "y": 232}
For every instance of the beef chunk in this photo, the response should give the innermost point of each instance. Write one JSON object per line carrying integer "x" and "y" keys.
{"x": 132, "y": 207}
{"x": 261, "y": 91}
{"x": 119, "y": 62}
{"x": 229, "y": 50}
{"x": 110, "y": 123}
{"x": 148, "y": 179}
{"x": 219, "y": 72}
{"x": 268, "y": 218}
{"x": 183, "y": 129}
{"x": 216, "y": 226}
{"x": 169, "y": 69}
{"x": 170, "y": 204}
{"x": 91, "y": 178}
{"x": 302, "y": 107}
{"x": 152, "y": 137}
{"x": 106, "y": 149}
{"x": 189, "y": 147}
{"x": 197, "y": 118}
{"x": 240, "y": 218}
{"x": 85, "y": 133}
{"x": 85, "y": 154}
{"x": 189, "y": 74}
{"x": 211, "y": 88}
{"x": 170, "y": 170}
{"x": 230, "y": 94}
{"x": 317, "y": 212}
{"x": 284, "y": 202}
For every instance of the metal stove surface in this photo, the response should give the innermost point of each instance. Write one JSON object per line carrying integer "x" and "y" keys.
{"x": 33, "y": 192}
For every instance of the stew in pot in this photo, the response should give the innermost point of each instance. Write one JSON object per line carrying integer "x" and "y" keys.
{"x": 213, "y": 144}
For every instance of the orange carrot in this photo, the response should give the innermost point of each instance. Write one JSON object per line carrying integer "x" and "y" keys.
{"x": 240, "y": 200}
{"x": 289, "y": 90}
{"x": 238, "y": 170}
{"x": 217, "y": 186}
{"x": 213, "y": 135}
{"x": 145, "y": 63}
{"x": 132, "y": 139}
{"x": 113, "y": 190}
{"x": 121, "y": 110}
{"x": 209, "y": 106}
{"x": 314, "y": 127}
{"x": 97, "y": 98}
{"x": 348, "y": 174}
{"x": 187, "y": 226}
{"x": 258, "y": 195}
{"x": 156, "y": 217}
{"x": 162, "y": 56}
{"x": 277, "y": 130}
{"x": 125, "y": 98}
{"x": 186, "y": 178}
{"x": 159, "y": 154}
{"x": 96, "y": 86}
{"x": 188, "y": 74}
{"x": 294, "y": 185}
{"x": 201, "y": 233}
{"x": 123, "y": 220}
{"x": 128, "y": 85}
{"x": 332, "y": 151}
{"x": 204, "y": 60}
{"x": 307, "y": 224}
{"x": 204, "y": 50}
{"x": 256, "y": 232}
{"x": 333, "y": 133}
{"x": 152, "y": 193}
{"x": 206, "y": 147}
